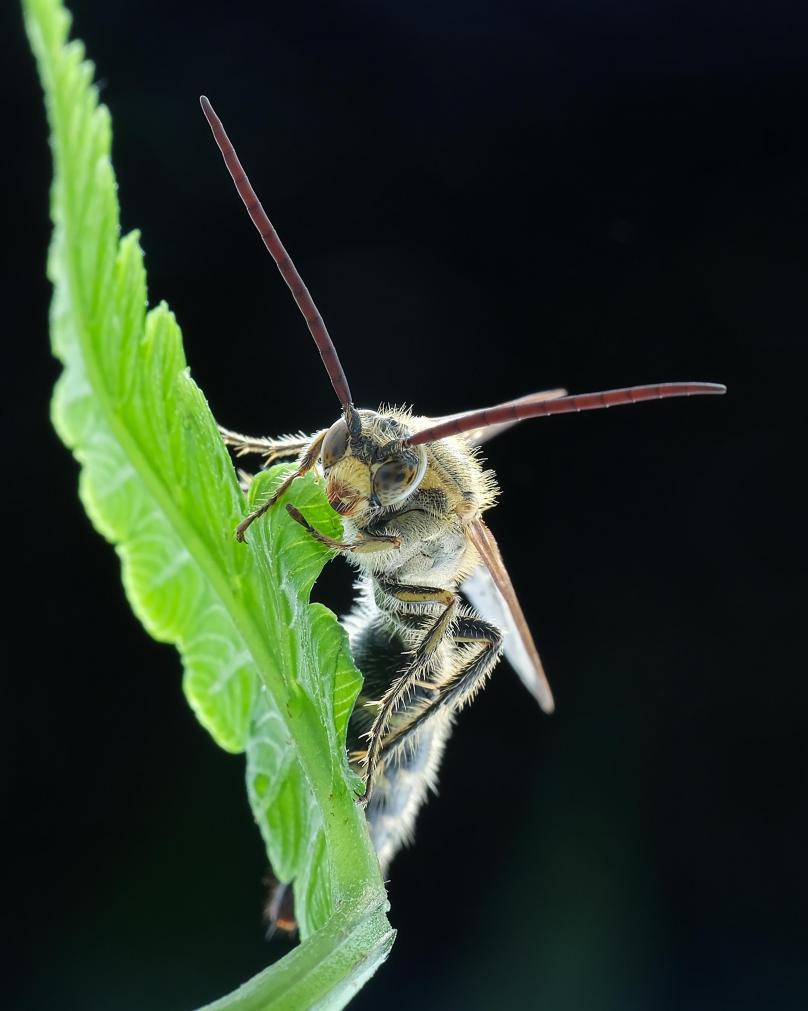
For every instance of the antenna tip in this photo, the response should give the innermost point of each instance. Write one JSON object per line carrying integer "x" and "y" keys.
{"x": 701, "y": 387}
{"x": 209, "y": 113}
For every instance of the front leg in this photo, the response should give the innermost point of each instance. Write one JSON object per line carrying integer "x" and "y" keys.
{"x": 307, "y": 461}
{"x": 362, "y": 546}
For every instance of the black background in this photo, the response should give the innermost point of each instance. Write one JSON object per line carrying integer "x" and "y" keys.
{"x": 485, "y": 199}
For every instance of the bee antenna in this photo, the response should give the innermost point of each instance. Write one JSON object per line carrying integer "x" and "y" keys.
{"x": 283, "y": 261}
{"x": 524, "y": 409}
{"x": 354, "y": 422}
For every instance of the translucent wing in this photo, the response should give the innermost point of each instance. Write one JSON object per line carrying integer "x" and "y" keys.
{"x": 491, "y": 592}
{"x": 477, "y": 436}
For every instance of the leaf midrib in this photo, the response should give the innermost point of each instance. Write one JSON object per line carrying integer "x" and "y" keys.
{"x": 262, "y": 657}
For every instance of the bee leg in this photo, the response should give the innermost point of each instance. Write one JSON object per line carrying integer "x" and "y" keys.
{"x": 280, "y": 908}
{"x": 417, "y": 672}
{"x": 306, "y": 462}
{"x": 362, "y": 546}
{"x": 469, "y": 679}
{"x": 270, "y": 449}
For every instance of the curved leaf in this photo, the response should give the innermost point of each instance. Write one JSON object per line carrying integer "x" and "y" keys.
{"x": 265, "y": 671}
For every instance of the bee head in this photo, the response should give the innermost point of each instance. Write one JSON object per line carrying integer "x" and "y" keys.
{"x": 366, "y": 468}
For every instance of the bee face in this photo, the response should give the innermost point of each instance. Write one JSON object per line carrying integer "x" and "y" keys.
{"x": 361, "y": 478}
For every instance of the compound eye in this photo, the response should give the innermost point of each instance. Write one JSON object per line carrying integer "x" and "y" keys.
{"x": 334, "y": 444}
{"x": 396, "y": 478}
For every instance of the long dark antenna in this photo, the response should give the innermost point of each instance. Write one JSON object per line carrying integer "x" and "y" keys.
{"x": 305, "y": 302}
{"x": 521, "y": 411}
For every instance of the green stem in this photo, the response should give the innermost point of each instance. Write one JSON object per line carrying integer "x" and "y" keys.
{"x": 348, "y": 949}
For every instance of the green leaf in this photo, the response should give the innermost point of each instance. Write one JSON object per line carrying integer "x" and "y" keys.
{"x": 265, "y": 671}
